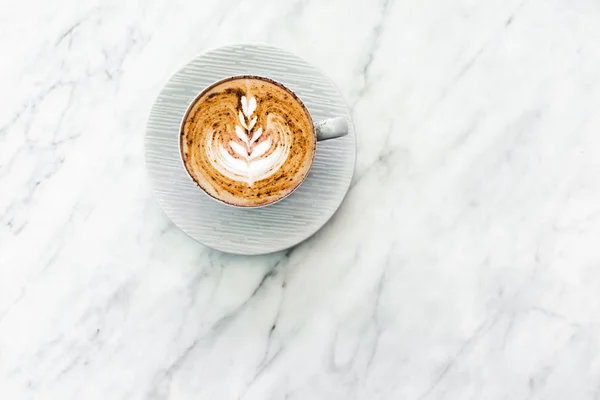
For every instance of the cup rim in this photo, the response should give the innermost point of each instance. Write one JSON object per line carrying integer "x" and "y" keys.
{"x": 245, "y": 76}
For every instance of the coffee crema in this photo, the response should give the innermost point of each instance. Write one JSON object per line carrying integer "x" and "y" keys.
{"x": 248, "y": 141}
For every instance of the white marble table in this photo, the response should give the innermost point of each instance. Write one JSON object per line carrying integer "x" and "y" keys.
{"x": 464, "y": 263}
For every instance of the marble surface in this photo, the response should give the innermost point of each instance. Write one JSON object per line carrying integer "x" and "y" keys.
{"x": 464, "y": 263}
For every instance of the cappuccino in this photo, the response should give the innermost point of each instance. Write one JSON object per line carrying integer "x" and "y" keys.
{"x": 248, "y": 141}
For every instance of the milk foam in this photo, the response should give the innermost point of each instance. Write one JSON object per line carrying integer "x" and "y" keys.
{"x": 250, "y": 160}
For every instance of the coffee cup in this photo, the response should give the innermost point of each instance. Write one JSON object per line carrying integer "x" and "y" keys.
{"x": 249, "y": 141}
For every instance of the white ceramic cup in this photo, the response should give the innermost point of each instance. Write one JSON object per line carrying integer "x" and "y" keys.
{"x": 326, "y": 129}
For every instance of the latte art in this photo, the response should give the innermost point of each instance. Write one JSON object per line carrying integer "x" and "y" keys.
{"x": 248, "y": 141}
{"x": 247, "y": 159}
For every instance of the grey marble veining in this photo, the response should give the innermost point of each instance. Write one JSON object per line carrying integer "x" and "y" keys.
{"x": 464, "y": 263}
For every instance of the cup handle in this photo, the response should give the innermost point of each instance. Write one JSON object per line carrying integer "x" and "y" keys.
{"x": 331, "y": 128}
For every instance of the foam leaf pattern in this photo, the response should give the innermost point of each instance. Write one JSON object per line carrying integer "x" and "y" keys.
{"x": 244, "y": 102}
{"x": 256, "y": 135}
{"x": 260, "y": 149}
{"x": 251, "y": 159}
{"x": 251, "y": 107}
{"x": 239, "y": 149}
{"x": 252, "y": 123}
{"x": 241, "y": 133}
{"x": 243, "y": 121}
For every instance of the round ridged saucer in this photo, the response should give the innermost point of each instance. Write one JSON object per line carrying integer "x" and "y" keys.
{"x": 258, "y": 230}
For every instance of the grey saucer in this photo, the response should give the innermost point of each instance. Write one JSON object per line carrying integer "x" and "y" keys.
{"x": 260, "y": 230}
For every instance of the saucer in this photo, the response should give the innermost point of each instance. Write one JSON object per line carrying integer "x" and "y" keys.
{"x": 237, "y": 230}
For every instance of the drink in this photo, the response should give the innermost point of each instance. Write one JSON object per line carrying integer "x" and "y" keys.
{"x": 248, "y": 141}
